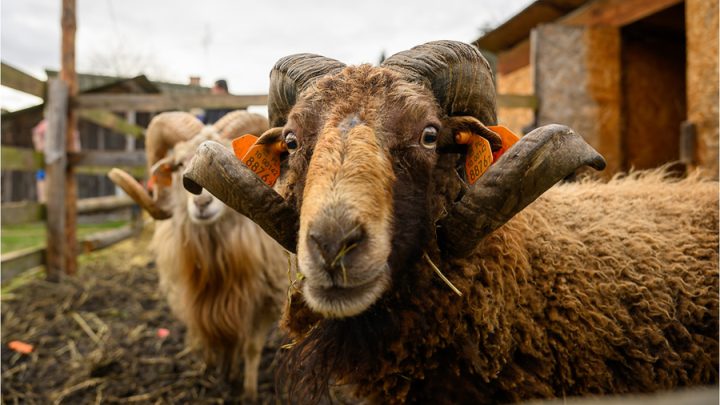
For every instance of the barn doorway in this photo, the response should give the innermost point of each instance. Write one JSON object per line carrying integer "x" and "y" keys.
{"x": 654, "y": 89}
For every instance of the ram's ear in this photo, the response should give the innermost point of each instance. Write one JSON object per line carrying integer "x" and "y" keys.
{"x": 271, "y": 136}
{"x": 454, "y": 127}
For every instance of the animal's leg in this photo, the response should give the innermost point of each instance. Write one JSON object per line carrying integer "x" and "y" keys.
{"x": 252, "y": 351}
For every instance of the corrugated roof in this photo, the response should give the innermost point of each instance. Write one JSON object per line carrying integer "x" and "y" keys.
{"x": 518, "y": 27}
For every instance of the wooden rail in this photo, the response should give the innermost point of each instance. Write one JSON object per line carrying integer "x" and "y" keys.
{"x": 15, "y": 79}
{"x": 23, "y": 212}
{"x": 107, "y": 119}
{"x": 164, "y": 102}
{"x": 19, "y": 261}
{"x": 87, "y": 162}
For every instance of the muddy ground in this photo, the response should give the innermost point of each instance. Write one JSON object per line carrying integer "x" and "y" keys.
{"x": 95, "y": 339}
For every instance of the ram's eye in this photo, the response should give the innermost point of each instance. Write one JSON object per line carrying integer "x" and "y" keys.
{"x": 291, "y": 142}
{"x": 429, "y": 137}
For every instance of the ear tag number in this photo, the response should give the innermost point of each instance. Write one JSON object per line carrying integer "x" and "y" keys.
{"x": 508, "y": 139}
{"x": 263, "y": 160}
{"x": 478, "y": 159}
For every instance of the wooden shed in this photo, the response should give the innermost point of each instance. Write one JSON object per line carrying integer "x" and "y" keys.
{"x": 637, "y": 78}
{"x": 17, "y": 132}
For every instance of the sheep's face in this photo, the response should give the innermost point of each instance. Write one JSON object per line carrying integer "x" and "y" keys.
{"x": 204, "y": 209}
{"x": 362, "y": 146}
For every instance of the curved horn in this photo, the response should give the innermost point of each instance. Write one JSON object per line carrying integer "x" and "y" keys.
{"x": 216, "y": 168}
{"x": 136, "y": 191}
{"x": 164, "y": 131}
{"x": 290, "y": 76}
{"x": 238, "y": 123}
{"x": 457, "y": 73}
{"x": 534, "y": 164}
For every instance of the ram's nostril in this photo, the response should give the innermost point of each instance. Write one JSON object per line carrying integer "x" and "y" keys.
{"x": 334, "y": 239}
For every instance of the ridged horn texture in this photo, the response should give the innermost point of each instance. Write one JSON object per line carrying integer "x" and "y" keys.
{"x": 290, "y": 76}
{"x": 136, "y": 191}
{"x": 216, "y": 169}
{"x": 533, "y": 165}
{"x": 238, "y": 123}
{"x": 164, "y": 131}
{"x": 457, "y": 73}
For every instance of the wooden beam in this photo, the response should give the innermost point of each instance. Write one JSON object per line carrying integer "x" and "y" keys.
{"x": 138, "y": 172}
{"x": 21, "y": 159}
{"x": 19, "y": 261}
{"x": 69, "y": 76}
{"x": 164, "y": 102}
{"x": 111, "y": 121}
{"x": 515, "y": 58}
{"x": 55, "y": 163}
{"x": 103, "y": 204}
{"x": 517, "y": 101}
{"x": 21, "y": 81}
{"x": 22, "y": 212}
{"x": 14, "y": 263}
{"x": 104, "y": 239}
{"x": 108, "y": 158}
{"x": 616, "y": 13}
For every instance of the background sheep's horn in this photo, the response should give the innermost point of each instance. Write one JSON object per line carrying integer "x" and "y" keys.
{"x": 238, "y": 123}
{"x": 457, "y": 73}
{"x": 534, "y": 164}
{"x": 136, "y": 191}
{"x": 290, "y": 76}
{"x": 216, "y": 169}
{"x": 166, "y": 130}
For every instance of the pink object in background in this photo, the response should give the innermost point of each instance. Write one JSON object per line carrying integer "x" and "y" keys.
{"x": 162, "y": 333}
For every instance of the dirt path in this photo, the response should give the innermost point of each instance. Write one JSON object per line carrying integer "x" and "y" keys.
{"x": 95, "y": 340}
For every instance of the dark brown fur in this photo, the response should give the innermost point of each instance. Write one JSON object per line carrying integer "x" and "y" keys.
{"x": 592, "y": 289}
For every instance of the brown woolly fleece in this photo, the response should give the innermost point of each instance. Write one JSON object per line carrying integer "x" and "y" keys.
{"x": 594, "y": 288}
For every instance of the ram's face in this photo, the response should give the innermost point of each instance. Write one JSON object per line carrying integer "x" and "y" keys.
{"x": 364, "y": 143}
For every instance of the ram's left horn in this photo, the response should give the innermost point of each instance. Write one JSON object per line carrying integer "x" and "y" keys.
{"x": 529, "y": 168}
{"x": 216, "y": 169}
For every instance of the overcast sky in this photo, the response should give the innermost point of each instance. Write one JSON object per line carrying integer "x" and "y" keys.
{"x": 172, "y": 40}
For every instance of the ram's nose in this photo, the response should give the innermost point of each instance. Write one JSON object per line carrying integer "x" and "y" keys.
{"x": 202, "y": 201}
{"x": 333, "y": 237}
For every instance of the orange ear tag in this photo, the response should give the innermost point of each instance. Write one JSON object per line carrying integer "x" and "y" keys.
{"x": 242, "y": 144}
{"x": 263, "y": 160}
{"x": 508, "y": 139}
{"x": 161, "y": 176}
{"x": 479, "y": 155}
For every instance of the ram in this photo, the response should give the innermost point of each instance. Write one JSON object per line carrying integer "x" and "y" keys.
{"x": 222, "y": 275}
{"x": 418, "y": 286}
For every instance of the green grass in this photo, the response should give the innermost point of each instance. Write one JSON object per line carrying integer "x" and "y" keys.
{"x": 16, "y": 237}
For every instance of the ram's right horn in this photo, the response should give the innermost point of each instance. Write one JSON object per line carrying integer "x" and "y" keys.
{"x": 216, "y": 169}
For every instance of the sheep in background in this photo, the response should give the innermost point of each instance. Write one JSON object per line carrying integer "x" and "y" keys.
{"x": 592, "y": 289}
{"x": 222, "y": 275}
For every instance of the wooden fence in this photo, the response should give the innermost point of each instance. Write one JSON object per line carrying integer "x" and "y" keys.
{"x": 63, "y": 106}
{"x": 60, "y": 213}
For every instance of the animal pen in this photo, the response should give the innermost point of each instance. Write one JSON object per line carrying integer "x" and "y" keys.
{"x": 126, "y": 356}
{"x": 63, "y": 106}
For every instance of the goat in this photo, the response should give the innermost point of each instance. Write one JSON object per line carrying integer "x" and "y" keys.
{"x": 588, "y": 289}
{"x": 222, "y": 275}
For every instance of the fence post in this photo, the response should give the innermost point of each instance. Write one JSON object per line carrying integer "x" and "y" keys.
{"x": 68, "y": 24}
{"x": 55, "y": 164}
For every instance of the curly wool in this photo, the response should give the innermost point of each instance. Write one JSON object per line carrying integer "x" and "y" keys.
{"x": 594, "y": 288}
